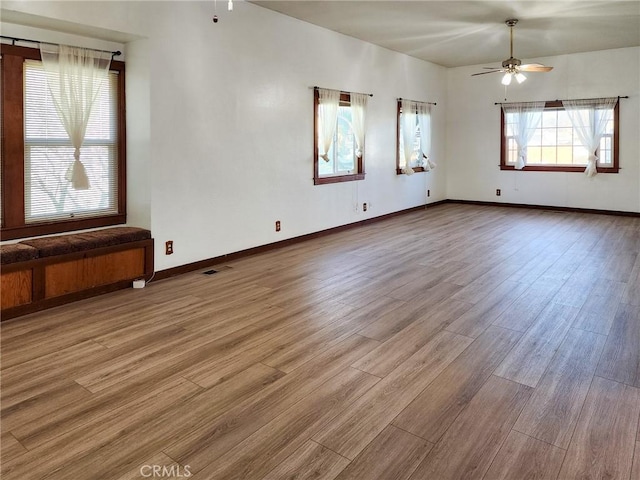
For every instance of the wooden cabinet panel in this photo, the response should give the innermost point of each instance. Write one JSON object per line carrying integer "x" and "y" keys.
{"x": 15, "y": 288}
{"x": 76, "y": 275}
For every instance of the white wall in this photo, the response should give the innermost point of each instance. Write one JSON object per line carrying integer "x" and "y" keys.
{"x": 220, "y": 122}
{"x": 473, "y": 133}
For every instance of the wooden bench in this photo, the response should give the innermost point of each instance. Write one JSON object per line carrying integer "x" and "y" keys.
{"x": 49, "y": 271}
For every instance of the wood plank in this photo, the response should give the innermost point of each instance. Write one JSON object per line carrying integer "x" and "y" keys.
{"x": 522, "y": 313}
{"x": 40, "y": 430}
{"x": 289, "y": 356}
{"x": 620, "y": 266}
{"x": 555, "y": 405}
{"x": 413, "y": 311}
{"x": 630, "y": 295}
{"x": 291, "y": 330}
{"x": 434, "y": 410}
{"x": 523, "y": 457}
{"x": 254, "y": 457}
{"x": 485, "y": 312}
{"x": 45, "y": 404}
{"x": 598, "y": 311}
{"x": 576, "y": 289}
{"x": 393, "y": 454}
{"x": 10, "y": 448}
{"x": 35, "y": 377}
{"x": 529, "y": 359}
{"x": 384, "y": 359}
{"x": 204, "y": 444}
{"x": 620, "y": 359}
{"x": 467, "y": 448}
{"x": 61, "y": 451}
{"x": 610, "y": 414}
{"x": 361, "y": 422}
{"x": 144, "y": 438}
{"x": 426, "y": 284}
{"x": 311, "y": 461}
{"x": 16, "y": 288}
{"x": 635, "y": 471}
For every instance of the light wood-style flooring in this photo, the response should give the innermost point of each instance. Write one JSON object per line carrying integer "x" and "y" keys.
{"x": 458, "y": 342}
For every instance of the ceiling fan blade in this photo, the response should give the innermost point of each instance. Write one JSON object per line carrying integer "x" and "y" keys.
{"x": 484, "y": 73}
{"x": 490, "y": 68}
{"x": 534, "y": 67}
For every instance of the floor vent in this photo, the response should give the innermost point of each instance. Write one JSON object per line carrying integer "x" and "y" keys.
{"x": 210, "y": 272}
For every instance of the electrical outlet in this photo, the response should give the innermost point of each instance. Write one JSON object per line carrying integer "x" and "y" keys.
{"x": 364, "y": 207}
{"x": 428, "y": 193}
{"x": 168, "y": 247}
{"x": 498, "y": 192}
{"x": 277, "y": 225}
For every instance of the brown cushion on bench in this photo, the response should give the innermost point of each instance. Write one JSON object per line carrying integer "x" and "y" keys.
{"x": 15, "y": 252}
{"x": 79, "y": 242}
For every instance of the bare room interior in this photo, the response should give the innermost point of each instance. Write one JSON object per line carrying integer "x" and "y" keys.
{"x": 330, "y": 240}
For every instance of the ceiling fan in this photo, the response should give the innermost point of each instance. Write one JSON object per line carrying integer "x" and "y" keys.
{"x": 512, "y": 67}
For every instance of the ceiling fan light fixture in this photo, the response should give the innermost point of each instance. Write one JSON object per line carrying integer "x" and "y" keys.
{"x": 520, "y": 77}
{"x": 506, "y": 80}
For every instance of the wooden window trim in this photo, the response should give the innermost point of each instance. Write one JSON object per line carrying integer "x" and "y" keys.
{"x": 345, "y": 100}
{"x": 13, "y": 207}
{"x": 398, "y": 140}
{"x": 549, "y": 168}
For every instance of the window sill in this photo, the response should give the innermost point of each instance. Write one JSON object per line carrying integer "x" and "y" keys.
{"x": 549, "y": 168}
{"x": 415, "y": 169}
{"x": 38, "y": 229}
{"x": 338, "y": 179}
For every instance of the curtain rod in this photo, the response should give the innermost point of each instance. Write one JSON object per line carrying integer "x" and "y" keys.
{"x": 556, "y": 100}
{"x": 15, "y": 39}
{"x": 341, "y": 91}
{"x": 417, "y": 101}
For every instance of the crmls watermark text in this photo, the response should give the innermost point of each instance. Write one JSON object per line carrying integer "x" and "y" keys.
{"x": 159, "y": 471}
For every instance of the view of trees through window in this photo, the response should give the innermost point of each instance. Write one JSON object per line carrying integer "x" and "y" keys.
{"x": 49, "y": 154}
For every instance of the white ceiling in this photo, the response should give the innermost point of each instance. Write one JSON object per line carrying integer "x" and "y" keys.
{"x": 455, "y": 33}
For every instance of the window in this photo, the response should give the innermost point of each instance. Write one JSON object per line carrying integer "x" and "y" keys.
{"x": 415, "y": 117}
{"x": 37, "y": 199}
{"x": 555, "y": 144}
{"x": 337, "y": 154}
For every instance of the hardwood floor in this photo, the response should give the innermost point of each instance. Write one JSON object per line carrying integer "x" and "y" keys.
{"x": 458, "y": 342}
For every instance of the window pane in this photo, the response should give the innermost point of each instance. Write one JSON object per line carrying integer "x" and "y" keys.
{"x": 345, "y": 142}
{"x": 550, "y": 119}
{"x": 563, "y": 119}
{"x": 549, "y": 155}
{"x": 548, "y": 136}
{"x": 565, "y": 155}
{"x": 415, "y": 160}
{"x": 49, "y": 154}
{"x": 534, "y": 155}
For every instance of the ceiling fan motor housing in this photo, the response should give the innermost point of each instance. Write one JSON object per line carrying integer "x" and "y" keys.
{"x": 511, "y": 63}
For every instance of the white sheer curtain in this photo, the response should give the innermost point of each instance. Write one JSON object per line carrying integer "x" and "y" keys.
{"x": 424, "y": 122}
{"x": 408, "y": 130}
{"x": 358, "y": 117}
{"x": 527, "y": 118}
{"x": 75, "y": 77}
{"x": 589, "y": 120}
{"x": 328, "y": 102}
